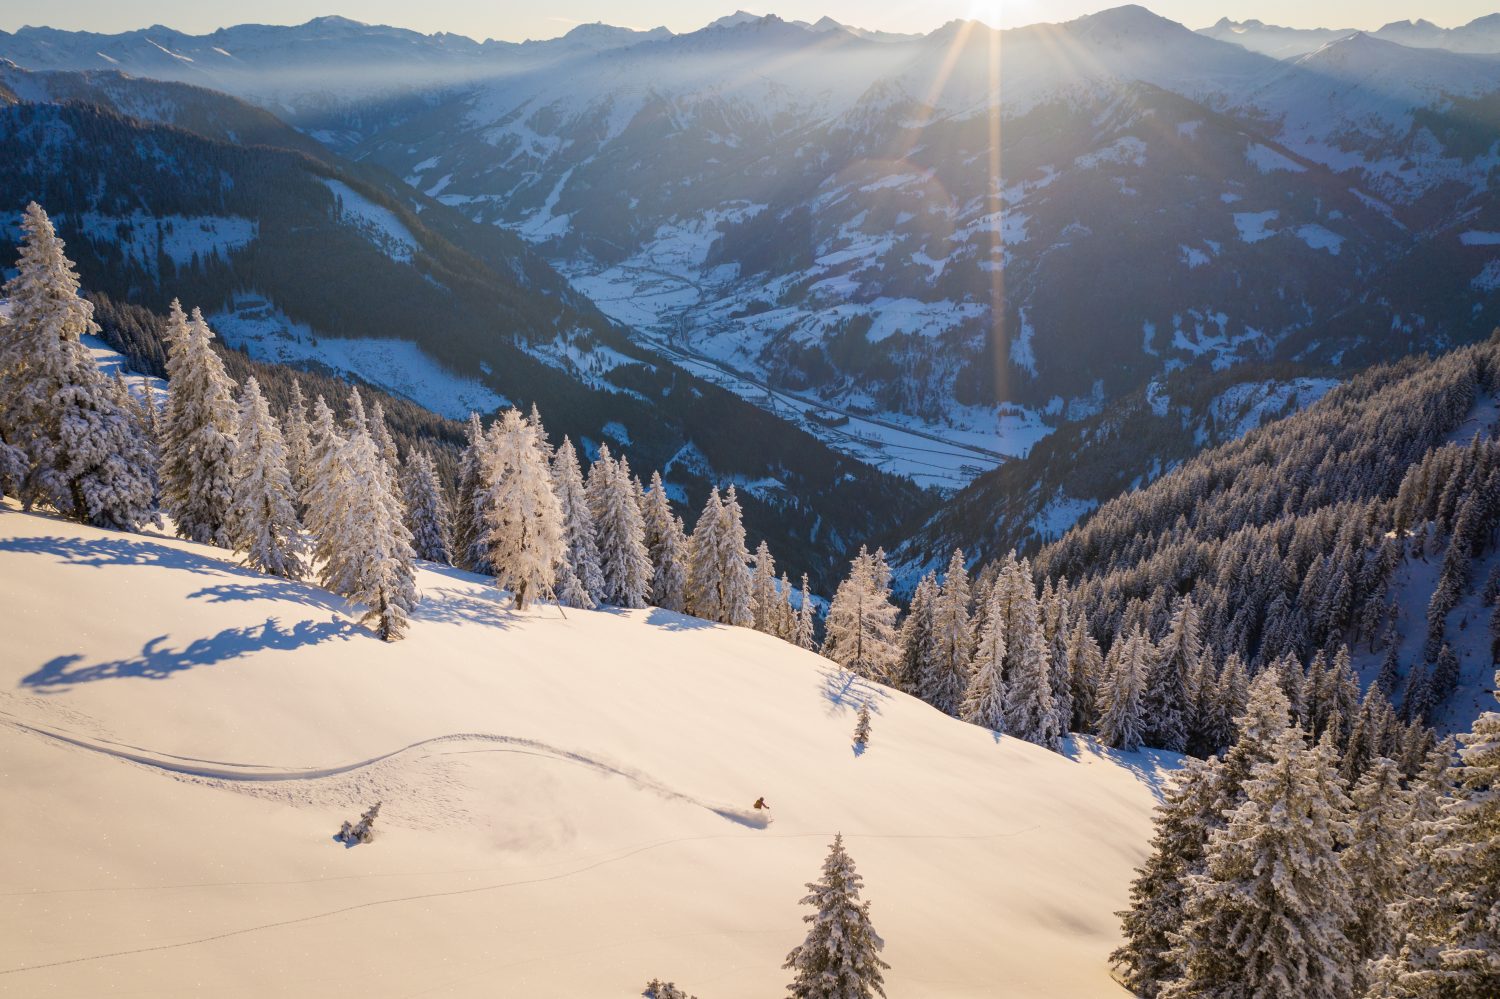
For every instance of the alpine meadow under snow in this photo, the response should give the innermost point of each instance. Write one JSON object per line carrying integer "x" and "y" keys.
{"x": 781, "y": 508}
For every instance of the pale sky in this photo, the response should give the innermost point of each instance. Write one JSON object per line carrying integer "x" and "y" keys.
{"x": 515, "y": 19}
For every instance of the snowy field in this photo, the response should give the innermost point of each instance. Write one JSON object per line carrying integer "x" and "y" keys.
{"x": 259, "y": 328}
{"x": 565, "y": 800}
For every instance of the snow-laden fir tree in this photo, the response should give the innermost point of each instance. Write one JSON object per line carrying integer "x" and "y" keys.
{"x": 526, "y": 545}
{"x": 1375, "y": 860}
{"x": 803, "y": 637}
{"x": 1056, "y": 602}
{"x": 862, "y": 725}
{"x": 719, "y": 584}
{"x": 786, "y": 614}
{"x": 66, "y": 438}
{"x": 582, "y": 583}
{"x": 298, "y": 437}
{"x": 426, "y": 509}
{"x": 860, "y": 633}
{"x": 198, "y": 447}
{"x": 1170, "y": 695}
{"x": 385, "y": 444}
{"x": 365, "y": 541}
{"x": 326, "y": 494}
{"x": 1029, "y": 710}
{"x": 840, "y": 958}
{"x": 763, "y": 590}
{"x": 1452, "y": 922}
{"x": 952, "y": 641}
{"x": 1085, "y": 674}
{"x": 916, "y": 638}
{"x": 1158, "y": 895}
{"x": 263, "y": 523}
{"x": 658, "y": 989}
{"x": 469, "y": 525}
{"x": 666, "y": 547}
{"x": 1259, "y": 727}
{"x": 982, "y": 701}
{"x": 1122, "y": 722}
{"x": 1268, "y": 916}
{"x": 623, "y": 562}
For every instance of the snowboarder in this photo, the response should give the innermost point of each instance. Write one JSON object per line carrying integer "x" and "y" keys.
{"x": 761, "y": 803}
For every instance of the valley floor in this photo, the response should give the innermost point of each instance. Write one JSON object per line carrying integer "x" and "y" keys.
{"x": 565, "y": 800}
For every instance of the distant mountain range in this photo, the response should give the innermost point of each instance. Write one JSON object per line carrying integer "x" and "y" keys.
{"x": 930, "y": 253}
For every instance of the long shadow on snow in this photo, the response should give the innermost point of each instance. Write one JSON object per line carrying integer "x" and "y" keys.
{"x": 1151, "y": 767}
{"x": 490, "y": 608}
{"x": 158, "y": 661}
{"x": 846, "y": 691}
{"x": 137, "y": 550}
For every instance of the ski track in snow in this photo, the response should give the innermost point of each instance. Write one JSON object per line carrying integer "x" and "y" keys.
{"x": 226, "y": 771}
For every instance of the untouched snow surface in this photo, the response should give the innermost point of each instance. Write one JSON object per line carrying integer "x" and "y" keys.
{"x": 565, "y": 800}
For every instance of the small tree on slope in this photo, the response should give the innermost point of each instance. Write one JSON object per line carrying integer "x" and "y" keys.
{"x": 263, "y": 515}
{"x": 65, "y": 437}
{"x": 862, "y": 725}
{"x": 840, "y": 958}
{"x": 198, "y": 448}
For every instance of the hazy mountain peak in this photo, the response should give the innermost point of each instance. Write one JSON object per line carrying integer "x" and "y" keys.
{"x": 737, "y": 18}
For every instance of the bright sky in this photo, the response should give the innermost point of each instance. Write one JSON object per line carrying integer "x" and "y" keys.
{"x": 514, "y": 19}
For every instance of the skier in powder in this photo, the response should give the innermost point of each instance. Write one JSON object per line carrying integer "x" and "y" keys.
{"x": 761, "y": 803}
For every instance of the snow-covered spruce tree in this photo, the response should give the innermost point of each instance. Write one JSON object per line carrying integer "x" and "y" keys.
{"x": 1121, "y": 722}
{"x": 198, "y": 447}
{"x": 263, "y": 522}
{"x": 366, "y": 544}
{"x": 763, "y": 590}
{"x": 1375, "y": 860}
{"x": 1030, "y": 713}
{"x": 1452, "y": 946}
{"x": 623, "y": 562}
{"x": 1055, "y": 606}
{"x": 840, "y": 958}
{"x": 385, "y": 444}
{"x": 298, "y": 437}
{"x": 582, "y": 585}
{"x": 65, "y": 437}
{"x": 916, "y": 638}
{"x": 862, "y": 725}
{"x": 982, "y": 701}
{"x": 719, "y": 581}
{"x": 1268, "y": 917}
{"x": 327, "y": 493}
{"x": 525, "y": 538}
{"x": 952, "y": 641}
{"x": 803, "y": 637}
{"x": 1266, "y": 716}
{"x": 666, "y": 548}
{"x": 1170, "y": 695}
{"x": 658, "y": 989}
{"x": 1158, "y": 895}
{"x": 426, "y": 509}
{"x": 786, "y": 614}
{"x": 469, "y": 526}
{"x": 860, "y": 633}
{"x": 1085, "y": 674}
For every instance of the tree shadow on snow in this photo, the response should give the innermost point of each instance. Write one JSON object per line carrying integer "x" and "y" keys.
{"x": 672, "y": 621}
{"x": 100, "y": 552}
{"x": 158, "y": 661}
{"x": 846, "y": 691}
{"x": 1151, "y": 767}
{"x": 272, "y": 588}
{"x": 491, "y": 608}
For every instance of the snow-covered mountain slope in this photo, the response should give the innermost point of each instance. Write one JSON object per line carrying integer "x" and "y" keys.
{"x": 565, "y": 801}
{"x": 1480, "y": 35}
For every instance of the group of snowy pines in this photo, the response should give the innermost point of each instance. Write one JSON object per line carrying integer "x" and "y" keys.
{"x": 305, "y": 496}
{"x": 1275, "y": 872}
